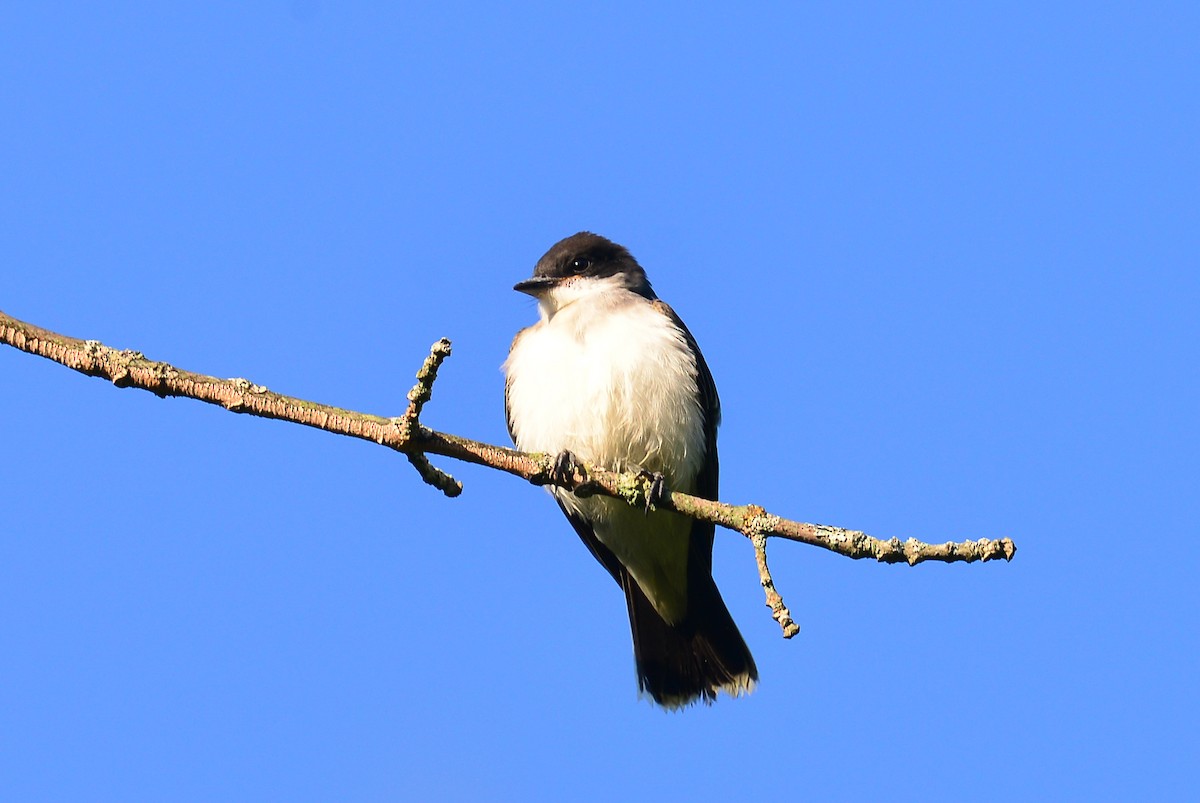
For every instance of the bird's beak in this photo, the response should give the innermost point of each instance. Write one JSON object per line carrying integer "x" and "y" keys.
{"x": 537, "y": 285}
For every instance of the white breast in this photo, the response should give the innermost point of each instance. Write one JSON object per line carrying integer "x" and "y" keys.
{"x": 611, "y": 378}
{"x": 612, "y": 381}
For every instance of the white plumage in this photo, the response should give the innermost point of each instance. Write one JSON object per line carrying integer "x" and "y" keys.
{"x": 607, "y": 375}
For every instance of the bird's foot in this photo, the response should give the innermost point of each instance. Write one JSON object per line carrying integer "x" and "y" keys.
{"x": 565, "y": 467}
{"x": 656, "y": 486}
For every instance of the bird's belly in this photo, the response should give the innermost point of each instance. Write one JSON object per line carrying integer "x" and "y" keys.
{"x": 616, "y": 398}
{"x": 653, "y": 546}
{"x": 624, "y": 395}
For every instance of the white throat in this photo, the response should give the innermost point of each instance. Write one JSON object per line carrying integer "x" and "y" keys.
{"x": 601, "y": 294}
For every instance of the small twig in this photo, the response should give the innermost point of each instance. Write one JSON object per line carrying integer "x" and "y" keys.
{"x": 410, "y": 427}
{"x": 434, "y": 476}
{"x": 779, "y": 611}
{"x": 423, "y": 390}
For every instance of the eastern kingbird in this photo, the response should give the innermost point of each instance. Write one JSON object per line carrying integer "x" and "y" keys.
{"x": 610, "y": 374}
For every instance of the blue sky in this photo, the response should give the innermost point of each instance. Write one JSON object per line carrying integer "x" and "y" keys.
{"x": 941, "y": 260}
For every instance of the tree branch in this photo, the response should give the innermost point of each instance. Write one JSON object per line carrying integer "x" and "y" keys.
{"x": 406, "y": 434}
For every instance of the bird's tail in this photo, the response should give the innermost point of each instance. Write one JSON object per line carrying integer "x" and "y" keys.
{"x": 693, "y": 660}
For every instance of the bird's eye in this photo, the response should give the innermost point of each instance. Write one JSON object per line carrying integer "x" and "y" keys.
{"x": 580, "y": 264}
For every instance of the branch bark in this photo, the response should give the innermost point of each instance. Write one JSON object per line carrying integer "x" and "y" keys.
{"x": 405, "y": 434}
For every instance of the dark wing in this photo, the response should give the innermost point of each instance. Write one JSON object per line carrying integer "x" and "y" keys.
{"x": 600, "y": 552}
{"x": 700, "y": 556}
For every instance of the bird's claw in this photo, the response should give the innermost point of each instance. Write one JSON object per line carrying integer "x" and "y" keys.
{"x": 656, "y": 489}
{"x": 565, "y": 467}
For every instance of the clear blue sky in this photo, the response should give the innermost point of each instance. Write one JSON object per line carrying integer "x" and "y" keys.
{"x": 942, "y": 260}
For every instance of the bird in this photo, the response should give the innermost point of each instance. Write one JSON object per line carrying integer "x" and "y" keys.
{"x": 611, "y": 376}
